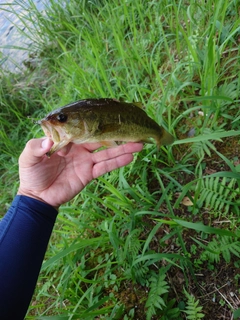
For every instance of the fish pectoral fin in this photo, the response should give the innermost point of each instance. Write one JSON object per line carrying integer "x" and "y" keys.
{"x": 111, "y": 127}
{"x": 108, "y": 144}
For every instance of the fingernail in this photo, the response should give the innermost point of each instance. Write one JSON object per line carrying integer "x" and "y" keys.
{"x": 45, "y": 143}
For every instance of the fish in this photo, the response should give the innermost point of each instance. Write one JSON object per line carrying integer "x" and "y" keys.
{"x": 103, "y": 120}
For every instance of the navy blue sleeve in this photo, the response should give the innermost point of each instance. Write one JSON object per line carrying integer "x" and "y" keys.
{"x": 24, "y": 234}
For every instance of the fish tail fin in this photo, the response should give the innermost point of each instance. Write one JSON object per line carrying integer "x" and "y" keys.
{"x": 165, "y": 139}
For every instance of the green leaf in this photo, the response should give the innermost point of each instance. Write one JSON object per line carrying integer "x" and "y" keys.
{"x": 236, "y": 314}
{"x": 211, "y": 136}
{"x": 72, "y": 248}
{"x": 201, "y": 227}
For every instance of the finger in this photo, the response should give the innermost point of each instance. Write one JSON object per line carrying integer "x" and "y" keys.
{"x": 34, "y": 150}
{"x": 89, "y": 146}
{"x": 92, "y": 146}
{"x": 112, "y": 164}
{"x": 111, "y": 153}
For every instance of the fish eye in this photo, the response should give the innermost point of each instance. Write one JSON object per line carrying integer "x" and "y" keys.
{"x": 61, "y": 117}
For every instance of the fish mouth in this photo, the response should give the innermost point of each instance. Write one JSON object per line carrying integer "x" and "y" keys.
{"x": 50, "y": 131}
{"x": 56, "y": 134}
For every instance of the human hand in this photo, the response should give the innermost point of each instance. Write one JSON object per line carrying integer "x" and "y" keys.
{"x": 58, "y": 179}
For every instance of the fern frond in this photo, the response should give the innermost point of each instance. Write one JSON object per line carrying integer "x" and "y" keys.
{"x": 132, "y": 244}
{"x": 132, "y": 247}
{"x": 201, "y": 148}
{"x": 138, "y": 272}
{"x": 228, "y": 90}
{"x": 217, "y": 193}
{"x": 158, "y": 287}
{"x": 193, "y": 310}
{"x": 222, "y": 245}
{"x": 213, "y": 251}
{"x": 229, "y": 246}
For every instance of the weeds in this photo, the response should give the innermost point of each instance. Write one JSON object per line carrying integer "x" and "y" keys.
{"x": 147, "y": 241}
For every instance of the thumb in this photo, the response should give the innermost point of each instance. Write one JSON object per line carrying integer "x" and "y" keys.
{"x": 34, "y": 150}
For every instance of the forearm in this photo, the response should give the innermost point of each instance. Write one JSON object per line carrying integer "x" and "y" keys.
{"x": 24, "y": 234}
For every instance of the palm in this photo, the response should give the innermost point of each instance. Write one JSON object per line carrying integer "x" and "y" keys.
{"x": 64, "y": 176}
{"x": 66, "y": 173}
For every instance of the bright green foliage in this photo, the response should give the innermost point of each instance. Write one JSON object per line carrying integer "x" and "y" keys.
{"x": 158, "y": 287}
{"x": 217, "y": 193}
{"x": 193, "y": 310}
{"x": 222, "y": 246}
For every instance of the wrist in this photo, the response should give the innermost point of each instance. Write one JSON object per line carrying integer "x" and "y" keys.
{"x": 34, "y": 196}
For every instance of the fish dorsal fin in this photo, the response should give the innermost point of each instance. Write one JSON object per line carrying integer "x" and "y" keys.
{"x": 138, "y": 104}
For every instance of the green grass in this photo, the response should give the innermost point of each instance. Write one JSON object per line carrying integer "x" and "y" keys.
{"x": 128, "y": 246}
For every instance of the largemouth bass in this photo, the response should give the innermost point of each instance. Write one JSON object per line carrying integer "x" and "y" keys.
{"x": 102, "y": 120}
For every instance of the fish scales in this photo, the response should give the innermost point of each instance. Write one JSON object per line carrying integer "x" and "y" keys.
{"x": 102, "y": 120}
